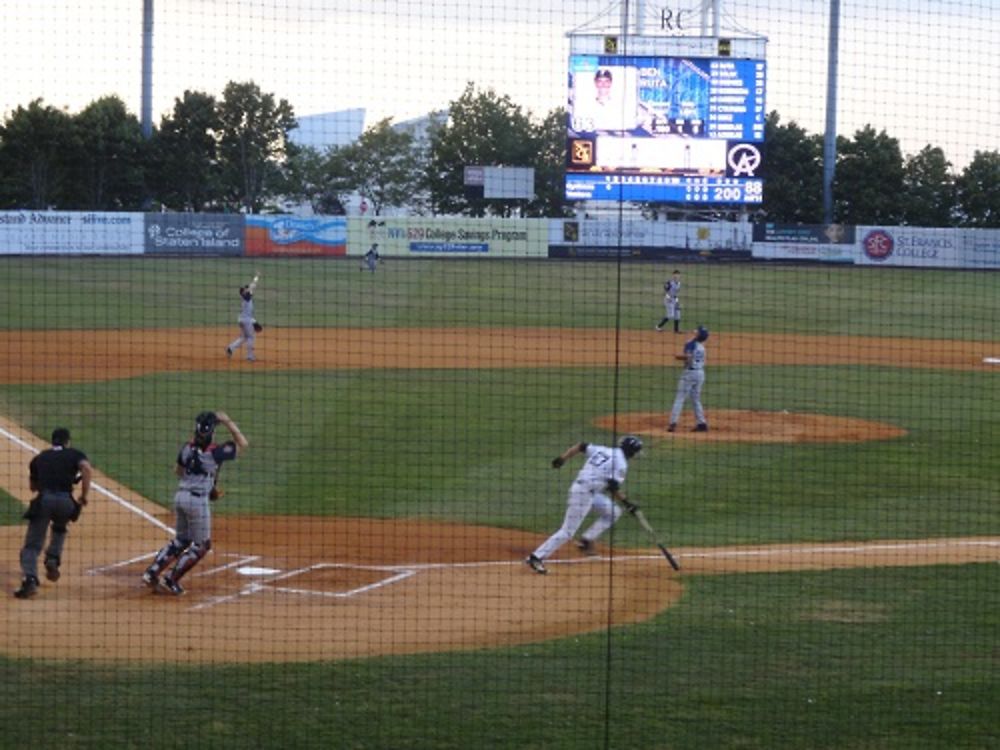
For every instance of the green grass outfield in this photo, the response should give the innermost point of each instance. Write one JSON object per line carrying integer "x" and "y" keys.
{"x": 855, "y": 659}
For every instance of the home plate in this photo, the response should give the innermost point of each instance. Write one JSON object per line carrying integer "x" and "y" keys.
{"x": 991, "y": 360}
{"x": 250, "y": 570}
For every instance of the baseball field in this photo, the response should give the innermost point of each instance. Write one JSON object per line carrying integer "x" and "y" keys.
{"x": 837, "y": 528}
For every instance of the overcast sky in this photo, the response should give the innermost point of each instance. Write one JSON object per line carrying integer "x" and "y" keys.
{"x": 926, "y": 71}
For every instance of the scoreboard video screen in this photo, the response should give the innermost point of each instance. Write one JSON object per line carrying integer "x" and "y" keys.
{"x": 665, "y": 129}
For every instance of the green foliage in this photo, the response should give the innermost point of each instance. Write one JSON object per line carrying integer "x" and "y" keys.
{"x": 929, "y": 189}
{"x": 110, "y": 158}
{"x": 384, "y": 166}
{"x": 185, "y": 169}
{"x": 37, "y": 145}
{"x": 868, "y": 184}
{"x": 979, "y": 191}
{"x": 253, "y": 144}
{"x": 484, "y": 129}
{"x": 793, "y": 188}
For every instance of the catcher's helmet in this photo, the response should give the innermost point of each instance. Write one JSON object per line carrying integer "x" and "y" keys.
{"x": 702, "y": 334}
{"x": 630, "y": 445}
{"x": 204, "y": 427}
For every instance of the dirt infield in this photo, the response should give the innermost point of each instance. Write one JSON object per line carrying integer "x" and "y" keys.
{"x": 299, "y": 589}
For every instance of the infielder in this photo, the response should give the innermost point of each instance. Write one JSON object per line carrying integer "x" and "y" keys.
{"x": 672, "y": 302}
{"x": 596, "y": 484}
{"x": 198, "y": 465}
{"x": 691, "y": 381}
{"x": 248, "y": 325}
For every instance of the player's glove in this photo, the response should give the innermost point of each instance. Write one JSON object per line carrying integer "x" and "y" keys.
{"x": 75, "y": 515}
{"x": 630, "y": 506}
{"x": 257, "y": 327}
{"x": 557, "y": 462}
{"x": 216, "y": 492}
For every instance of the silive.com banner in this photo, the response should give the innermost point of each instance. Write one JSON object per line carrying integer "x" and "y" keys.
{"x": 70, "y": 233}
{"x": 454, "y": 237}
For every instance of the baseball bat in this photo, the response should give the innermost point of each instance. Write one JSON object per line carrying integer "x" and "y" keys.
{"x": 641, "y": 518}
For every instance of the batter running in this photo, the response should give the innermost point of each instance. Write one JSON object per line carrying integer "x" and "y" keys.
{"x": 598, "y": 482}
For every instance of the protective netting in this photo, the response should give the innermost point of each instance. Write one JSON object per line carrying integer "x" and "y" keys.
{"x": 481, "y": 283}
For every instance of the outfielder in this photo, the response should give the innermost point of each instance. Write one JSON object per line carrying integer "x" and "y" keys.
{"x": 249, "y": 327}
{"x": 598, "y": 482}
{"x": 672, "y": 302}
{"x": 198, "y": 465}
{"x": 691, "y": 381}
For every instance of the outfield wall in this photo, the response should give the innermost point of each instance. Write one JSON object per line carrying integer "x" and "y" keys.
{"x": 118, "y": 233}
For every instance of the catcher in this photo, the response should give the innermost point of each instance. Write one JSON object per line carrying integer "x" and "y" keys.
{"x": 249, "y": 327}
{"x": 198, "y": 464}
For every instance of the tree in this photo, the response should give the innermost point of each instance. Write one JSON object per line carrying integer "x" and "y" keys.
{"x": 36, "y": 146}
{"x": 110, "y": 168}
{"x": 978, "y": 191}
{"x": 928, "y": 189}
{"x": 550, "y": 167}
{"x": 253, "y": 145}
{"x": 384, "y": 166}
{"x": 185, "y": 173}
{"x": 793, "y": 183}
{"x": 868, "y": 185}
{"x": 485, "y": 129}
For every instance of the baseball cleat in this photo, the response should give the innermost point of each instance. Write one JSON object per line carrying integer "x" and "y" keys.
{"x": 151, "y": 580}
{"x": 535, "y": 564}
{"x": 671, "y": 427}
{"x": 701, "y": 428}
{"x": 169, "y": 586}
{"x": 586, "y": 546}
{"x": 229, "y": 351}
{"x": 29, "y": 587}
{"x": 52, "y": 570}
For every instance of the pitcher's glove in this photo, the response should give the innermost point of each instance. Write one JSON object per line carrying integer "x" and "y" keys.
{"x": 557, "y": 462}
{"x": 216, "y": 492}
{"x": 257, "y": 327}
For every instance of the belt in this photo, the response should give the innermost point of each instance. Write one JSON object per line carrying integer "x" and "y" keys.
{"x": 192, "y": 493}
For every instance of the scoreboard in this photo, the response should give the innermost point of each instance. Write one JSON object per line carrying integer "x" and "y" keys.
{"x": 665, "y": 129}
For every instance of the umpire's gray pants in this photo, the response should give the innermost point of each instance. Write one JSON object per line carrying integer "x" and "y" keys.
{"x": 55, "y": 509}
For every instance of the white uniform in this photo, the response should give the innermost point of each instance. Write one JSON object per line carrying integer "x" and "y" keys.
{"x": 245, "y": 322}
{"x": 671, "y": 303}
{"x": 691, "y": 382}
{"x": 590, "y": 491}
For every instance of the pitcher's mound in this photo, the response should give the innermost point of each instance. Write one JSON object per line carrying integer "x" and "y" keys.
{"x": 746, "y": 426}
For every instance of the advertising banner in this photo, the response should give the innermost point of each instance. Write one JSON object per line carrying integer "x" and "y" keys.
{"x": 910, "y": 246}
{"x": 193, "y": 234}
{"x": 698, "y": 236}
{"x": 833, "y": 243}
{"x": 70, "y": 233}
{"x": 428, "y": 237}
{"x": 296, "y": 236}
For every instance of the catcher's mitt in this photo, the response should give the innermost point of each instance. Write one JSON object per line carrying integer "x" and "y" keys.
{"x": 216, "y": 492}
{"x": 257, "y": 327}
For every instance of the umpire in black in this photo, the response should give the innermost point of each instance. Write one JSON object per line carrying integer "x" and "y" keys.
{"x": 52, "y": 474}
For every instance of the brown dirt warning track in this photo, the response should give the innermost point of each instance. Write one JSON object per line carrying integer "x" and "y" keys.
{"x": 299, "y": 589}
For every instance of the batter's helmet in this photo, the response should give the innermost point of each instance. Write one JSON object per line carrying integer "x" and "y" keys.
{"x": 702, "y": 334}
{"x": 204, "y": 426}
{"x": 630, "y": 445}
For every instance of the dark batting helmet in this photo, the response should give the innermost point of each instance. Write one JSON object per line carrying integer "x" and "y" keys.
{"x": 204, "y": 427}
{"x": 630, "y": 445}
{"x": 702, "y": 334}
